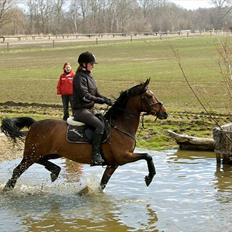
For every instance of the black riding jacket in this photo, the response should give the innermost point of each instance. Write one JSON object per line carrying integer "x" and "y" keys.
{"x": 85, "y": 93}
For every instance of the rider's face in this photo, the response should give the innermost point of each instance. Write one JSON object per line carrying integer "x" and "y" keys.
{"x": 89, "y": 67}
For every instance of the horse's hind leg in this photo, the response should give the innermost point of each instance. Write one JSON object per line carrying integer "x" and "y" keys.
{"x": 53, "y": 168}
{"x": 17, "y": 172}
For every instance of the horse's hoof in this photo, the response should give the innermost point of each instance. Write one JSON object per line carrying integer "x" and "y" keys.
{"x": 84, "y": 191}
{"x": 7, "y": 188}
{"x": 102, "y": 187}
{"x": 54, "y": 175}
{"x": 148, "y": 180}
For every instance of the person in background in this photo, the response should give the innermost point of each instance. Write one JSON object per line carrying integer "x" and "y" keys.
{"x": 85, "y": 95}
{"x": 65, "y": 88}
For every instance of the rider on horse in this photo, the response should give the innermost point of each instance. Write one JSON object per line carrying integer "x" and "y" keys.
{"x": 85, "y": 95}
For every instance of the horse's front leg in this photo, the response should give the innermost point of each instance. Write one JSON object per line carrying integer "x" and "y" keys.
{"x": 151, "y": 167}
{"x": 106, "y": 175}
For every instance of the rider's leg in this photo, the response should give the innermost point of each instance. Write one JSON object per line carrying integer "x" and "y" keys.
{"x": 86, "y": 116}
{"x": 96, "y": 152}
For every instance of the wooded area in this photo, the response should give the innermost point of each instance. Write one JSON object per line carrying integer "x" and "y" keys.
{"x": 107, "y": 16}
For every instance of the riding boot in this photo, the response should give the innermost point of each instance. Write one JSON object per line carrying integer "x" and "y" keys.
{"x": 96, "y": 154}
{"x": 65, "y": 117}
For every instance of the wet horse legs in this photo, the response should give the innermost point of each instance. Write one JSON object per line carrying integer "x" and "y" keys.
{"x": 18, "y": 171}
{"x": 151, "y": 167}
{"x": 107, "y": 174}
{"x": 53, "y": 168}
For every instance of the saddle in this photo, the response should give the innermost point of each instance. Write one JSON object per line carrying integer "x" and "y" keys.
{"x": 78, "y": 132}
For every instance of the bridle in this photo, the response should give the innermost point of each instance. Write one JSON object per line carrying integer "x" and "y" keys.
{"x": 150, "y": 106}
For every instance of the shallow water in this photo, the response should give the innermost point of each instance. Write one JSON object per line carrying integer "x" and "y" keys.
{"x": 189, "y": 193}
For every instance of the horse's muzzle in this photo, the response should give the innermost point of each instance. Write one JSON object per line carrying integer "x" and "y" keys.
{"x": 161, "y": 115}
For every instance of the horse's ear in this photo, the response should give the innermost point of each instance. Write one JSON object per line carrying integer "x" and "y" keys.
{"x": 146, "y": 83}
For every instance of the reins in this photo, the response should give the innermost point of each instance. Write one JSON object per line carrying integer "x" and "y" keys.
{"x": 149, "y": 110}
{"x": 124, "y": 132}
{"x": 147, "y": 105}
{"x": 127, "y": 111}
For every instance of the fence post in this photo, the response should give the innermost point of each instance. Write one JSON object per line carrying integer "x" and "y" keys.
{"x": 53, "y": 43}
{"x": 96, "y": 40}
{"x": 131, "y": 38}
{"x": 7, "y": 46}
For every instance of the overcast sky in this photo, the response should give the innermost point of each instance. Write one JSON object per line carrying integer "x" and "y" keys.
{"x": 193, "y": 4}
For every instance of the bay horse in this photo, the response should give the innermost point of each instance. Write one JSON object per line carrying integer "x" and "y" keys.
{"x": 46, "y": 139}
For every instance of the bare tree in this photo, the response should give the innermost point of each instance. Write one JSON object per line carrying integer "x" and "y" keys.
{"x": 96, "y": 16}
{"x": 146, "y": 6}
{"x": 5, "y": 7}
{"x": 221, "y": 3}
{"x": 57, "y": 6}
{"x": 40, "y": 12}
{"x": 74, "y": 14}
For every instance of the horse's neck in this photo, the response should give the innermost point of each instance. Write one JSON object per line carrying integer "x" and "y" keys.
{"x": 128, "y": 122}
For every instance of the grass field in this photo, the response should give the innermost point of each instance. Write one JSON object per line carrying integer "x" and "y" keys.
{"x": 30, "y": 74}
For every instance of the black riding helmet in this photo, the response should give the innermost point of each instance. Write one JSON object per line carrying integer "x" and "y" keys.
{"x": 86, "y": 57}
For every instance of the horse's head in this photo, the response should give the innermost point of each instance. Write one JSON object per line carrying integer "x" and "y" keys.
{"x": 150, "y": 104}
{"x": 137, "y": 99}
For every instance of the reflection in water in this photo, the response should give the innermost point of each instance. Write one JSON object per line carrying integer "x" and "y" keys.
{"x": 60, "y": 207}
{"x": 76, "y": 218}
{"x": 223, "y": 174}
{"x": 189, "y": 193}
{"x": 69, "y": 212}
{"x": 186, "y": 156}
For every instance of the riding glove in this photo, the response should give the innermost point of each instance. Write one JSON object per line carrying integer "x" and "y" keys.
{"x": 108, "y": 102}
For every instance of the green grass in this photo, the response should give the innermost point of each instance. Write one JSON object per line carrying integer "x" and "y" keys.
{"x": 30, "y": 74}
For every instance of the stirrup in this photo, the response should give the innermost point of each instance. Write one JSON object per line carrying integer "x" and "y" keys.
{"x": 97, "y": 161}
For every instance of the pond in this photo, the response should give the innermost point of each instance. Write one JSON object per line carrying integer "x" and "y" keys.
{"x": 189, "y": 193}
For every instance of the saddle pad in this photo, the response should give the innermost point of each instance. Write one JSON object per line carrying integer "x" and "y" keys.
{"x": 76, "y": 134}
{"x": 81, "y": 134}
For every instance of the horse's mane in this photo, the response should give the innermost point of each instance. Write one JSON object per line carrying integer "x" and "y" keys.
{"x": 119, "y": 105}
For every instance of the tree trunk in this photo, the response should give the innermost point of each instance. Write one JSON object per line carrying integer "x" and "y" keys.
{"x": 187, "y": 142}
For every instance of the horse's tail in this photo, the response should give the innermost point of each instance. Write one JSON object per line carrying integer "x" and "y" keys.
{"x": 11, "y": 127}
